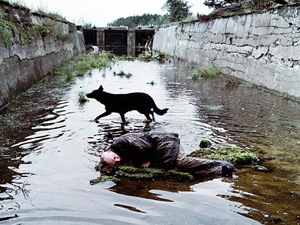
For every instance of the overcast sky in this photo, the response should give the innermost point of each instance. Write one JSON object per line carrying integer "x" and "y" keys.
{"x": 101, "y": 12}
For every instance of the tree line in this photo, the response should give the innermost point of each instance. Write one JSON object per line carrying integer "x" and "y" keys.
{"x": 179, "y": 10}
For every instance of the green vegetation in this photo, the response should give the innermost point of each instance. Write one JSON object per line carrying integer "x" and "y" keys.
{"x": 81, "y": 97}
{"x": 145, "y": 20}
{"x": 205, "y": 143}
{"x": 54, "y": 16}
{"x": 152, "y": 83}
{"x": 178, "y": 10}
{"x": 83, "y": 64}
{"x": 116, "y": 172}
{"x": 235, "y": 155}
{"x": 18, "y": 27}
{"x": 12, "y": 118}
{"x": 123, "y": 74}
{"x": 206, "y": 73}
{"x": 227, "y": 8}
{"x": 7, "y": 27}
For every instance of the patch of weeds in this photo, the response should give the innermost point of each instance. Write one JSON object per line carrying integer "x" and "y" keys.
{"x": 195, "y": 76}
{"x": 7, "y": 28}
{"x": 117, "y": 172}
{"x": 83, "y": 64}
{"x": 81, "y": 97}
{"x": 69, "y": 76}
{"x": 145, "y": 57}
{"x": 286, "y": 96}
{"x": 205, "y": 143}
{"x": 235, "y": 155}
{"x": 54, "y": 16}
{"x": 123, "y": 74}
{"x": 126, "y": 57}
{"x": 43, "y": 29}
{"x": 80, "y": 72}
{"x": 206, "y": 73}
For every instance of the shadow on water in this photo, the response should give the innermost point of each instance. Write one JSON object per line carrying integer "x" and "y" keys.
{"x": 47, "y": 164}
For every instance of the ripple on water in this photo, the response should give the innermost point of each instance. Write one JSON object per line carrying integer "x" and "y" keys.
{"x": 69, "y": 143}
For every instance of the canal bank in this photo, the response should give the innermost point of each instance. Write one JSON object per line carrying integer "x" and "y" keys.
{"x": 260, "y": 48}
{"x": 32, "y": 45}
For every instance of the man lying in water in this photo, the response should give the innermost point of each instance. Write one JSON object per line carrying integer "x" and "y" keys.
{"x": 160, "y": 150}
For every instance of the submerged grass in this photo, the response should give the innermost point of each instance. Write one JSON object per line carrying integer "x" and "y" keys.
{"x": 123, "y": 74}
{"x": 206, "y": 73}
{"x": 82, "y": 98}
{"x": 83, "y": 64}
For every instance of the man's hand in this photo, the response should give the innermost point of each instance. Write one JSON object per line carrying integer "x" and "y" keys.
{"x": 145, "y": 165}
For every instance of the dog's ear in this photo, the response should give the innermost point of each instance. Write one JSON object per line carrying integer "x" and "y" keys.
{"x": 100, "y": 88}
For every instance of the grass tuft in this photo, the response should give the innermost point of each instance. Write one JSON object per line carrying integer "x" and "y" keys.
{"x": 206, "y": 73}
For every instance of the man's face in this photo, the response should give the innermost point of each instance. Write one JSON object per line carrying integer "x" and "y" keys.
{"x": 110, "y": 158}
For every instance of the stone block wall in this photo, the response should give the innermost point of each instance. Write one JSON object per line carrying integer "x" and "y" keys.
{"x": 26, "y": 59}
{"x": 262, "y": 48}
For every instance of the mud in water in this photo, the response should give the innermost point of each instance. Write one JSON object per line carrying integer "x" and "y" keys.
{"x": 50, "y": 146}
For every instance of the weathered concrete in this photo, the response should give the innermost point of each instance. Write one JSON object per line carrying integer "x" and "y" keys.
{"x": 24, "y": 62}
{"x": 259, "y": 48}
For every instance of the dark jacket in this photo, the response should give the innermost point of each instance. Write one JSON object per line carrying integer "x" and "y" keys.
{"x": 158, "y": 148}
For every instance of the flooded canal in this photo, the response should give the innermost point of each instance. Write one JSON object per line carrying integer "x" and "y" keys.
{"x": 47, "y": 166}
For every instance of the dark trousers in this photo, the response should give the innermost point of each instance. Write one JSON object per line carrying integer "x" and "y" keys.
{"x": 198, "y": 166}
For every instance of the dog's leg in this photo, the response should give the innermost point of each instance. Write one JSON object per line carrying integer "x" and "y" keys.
{"x": 152, "y": 113}
{"x": 102, "y": 115}
{"x": 123, "y": 118}
{"x": 148, "y": 117}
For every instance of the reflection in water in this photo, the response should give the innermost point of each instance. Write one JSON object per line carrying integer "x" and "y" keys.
{"x": 45, "y": 169}
{"x": 129, "y": 207}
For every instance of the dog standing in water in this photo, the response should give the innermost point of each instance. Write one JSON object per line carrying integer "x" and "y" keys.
{"x": 123, "y": 103}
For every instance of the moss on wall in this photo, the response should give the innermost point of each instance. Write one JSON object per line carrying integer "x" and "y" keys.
{"x": 32, "y": 44}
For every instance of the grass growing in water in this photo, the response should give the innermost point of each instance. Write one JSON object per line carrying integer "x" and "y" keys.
{"x": 236, "y": 155}
{"x": 83, "y": 64}
{"x": 81, "y": 97}
{"x": 206, "y": 73}
{"x": 123, "y": 74}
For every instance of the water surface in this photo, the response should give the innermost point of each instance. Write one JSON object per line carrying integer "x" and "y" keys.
{"x": 46, "y": 167}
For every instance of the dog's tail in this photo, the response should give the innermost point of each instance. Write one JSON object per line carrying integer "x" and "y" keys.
{"x": 160, "y": 111}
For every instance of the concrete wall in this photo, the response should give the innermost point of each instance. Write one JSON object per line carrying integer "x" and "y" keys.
{"x": 263, "y": 49}
{"x": 27, "y": 59}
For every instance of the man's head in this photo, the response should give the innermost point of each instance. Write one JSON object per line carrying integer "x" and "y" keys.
{"x": 110, "y": 158}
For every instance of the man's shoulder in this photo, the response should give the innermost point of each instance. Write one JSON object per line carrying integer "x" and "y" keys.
{"x": 163, "y": 134}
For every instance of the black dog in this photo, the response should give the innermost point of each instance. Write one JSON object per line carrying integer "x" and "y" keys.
{"x": 123, "y": 103}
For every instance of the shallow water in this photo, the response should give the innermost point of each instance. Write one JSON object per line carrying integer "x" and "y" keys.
{"x": 46, "y": 168}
